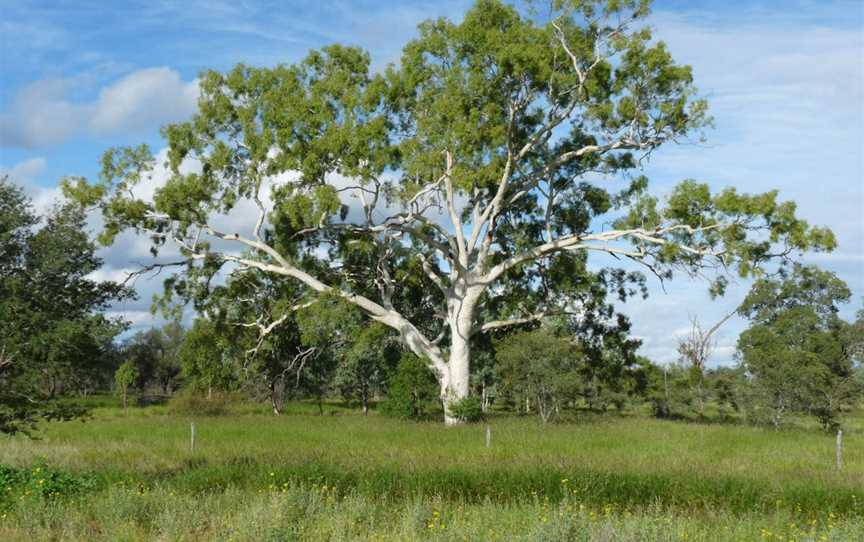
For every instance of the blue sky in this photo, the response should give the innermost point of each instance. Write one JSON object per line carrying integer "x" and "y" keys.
{"x": 785, "y": 80}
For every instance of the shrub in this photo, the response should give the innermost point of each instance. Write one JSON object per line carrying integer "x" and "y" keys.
{"x": 412, "y": 389}
{"x": 42, "y": 481}
{"x": 468, "y": 409}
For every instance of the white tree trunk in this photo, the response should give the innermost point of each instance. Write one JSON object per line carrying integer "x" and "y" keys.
{"x": 454, "y": 387}
{"x": 455, "y": 382}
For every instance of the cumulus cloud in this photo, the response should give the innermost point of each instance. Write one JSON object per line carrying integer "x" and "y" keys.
{"x": 40, "y": 115}
{"x": 142, "y": 99}
{"x": 25, "y": 174}
{"x": 43, "y": 113}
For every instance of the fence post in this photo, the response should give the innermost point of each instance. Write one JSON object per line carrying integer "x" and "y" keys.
{"x": 192, "y": 440}
{"x": 839, "y": 449}
{"x": 488, "y": 435}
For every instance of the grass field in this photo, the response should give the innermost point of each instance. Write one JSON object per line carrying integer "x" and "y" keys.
{"x": 253, "y": 476}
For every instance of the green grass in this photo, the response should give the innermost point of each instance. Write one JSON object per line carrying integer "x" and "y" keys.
{"x": 318, "y": 513}
{"x": 600, "y": 479}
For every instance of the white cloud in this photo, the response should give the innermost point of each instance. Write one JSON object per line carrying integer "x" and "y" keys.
{"x": 40, "y": 115}
{"x": 25, "y": 174}
{"x": 43, "y": 113}
{"x": 142, "y": 99}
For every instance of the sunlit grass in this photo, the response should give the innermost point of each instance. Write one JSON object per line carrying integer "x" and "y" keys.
{"x": 596, "y": 480}
{"x": 281, "y": 511}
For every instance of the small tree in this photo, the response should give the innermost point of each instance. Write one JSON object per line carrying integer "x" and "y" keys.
{"x": 724, "y": 388}
{"x": 793, "y": 351}
{"x": 327, "y": 327}
{"x": 203, "y": 358}
{"x": 365, "y": 363}
{"x": 853, "y": 346}
{"x": 483, "y": 378}
{"x": 411, "y": 389}
{"x": 168, "y": 367}
{"x": 540, "y": 367}
{"x": 125, "y": 376}
{"x": 269, "y": 350}
{"x": 155, "y": 354}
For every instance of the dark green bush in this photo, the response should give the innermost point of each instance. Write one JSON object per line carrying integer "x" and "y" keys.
{"x": 468, "y": 409}
{"x": 412, "y": 390}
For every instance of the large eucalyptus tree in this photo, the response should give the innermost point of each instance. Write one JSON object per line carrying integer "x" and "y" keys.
{"x": 465, "y": 186}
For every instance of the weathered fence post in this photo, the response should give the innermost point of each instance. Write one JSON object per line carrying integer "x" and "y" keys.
{"x": 192, "y": 440}
{"x": 488, "y": 435}
{"x": 839, "y": 449}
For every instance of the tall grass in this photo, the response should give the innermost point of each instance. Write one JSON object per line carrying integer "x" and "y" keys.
{"x": 624, "y": 471}
{"x": 290, "y": 512}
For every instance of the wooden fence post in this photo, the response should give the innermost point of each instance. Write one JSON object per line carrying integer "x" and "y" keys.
{"x": 192, "y": 440}
{"x": 839, "y": 449}
{"x": 488, "y": 435}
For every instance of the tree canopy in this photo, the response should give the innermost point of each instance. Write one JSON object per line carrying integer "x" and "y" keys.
{"x": 458, "y": 192}
{"x": 798, "y": 353}
{"x": 53, "y": 331}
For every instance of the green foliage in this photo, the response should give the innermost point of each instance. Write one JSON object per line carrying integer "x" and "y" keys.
{"x": 155, "y": 353}
{"x": 270, "y": 361}
{"x": 53, "y": 335}
{"x": 688, "y": 393}
{"x": 539, "y": 367}
{"x": 203, "y": 356}
{"x": 412, "y": 390}
{"x": 718, "y": 224}
{"x": 365, "y": 362}
{"x": 804, "y": 287}
{"x": 468, "y": 409}
{"x": 41, "y": 481}
{"x": 125, "y": 376}
{"x": 796, "y": 349}
{"x": 168, "y": 368}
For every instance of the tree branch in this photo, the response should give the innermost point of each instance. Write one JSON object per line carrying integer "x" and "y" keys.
{"x": 498, "y": 324}
{"x": 576, "y": 242}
